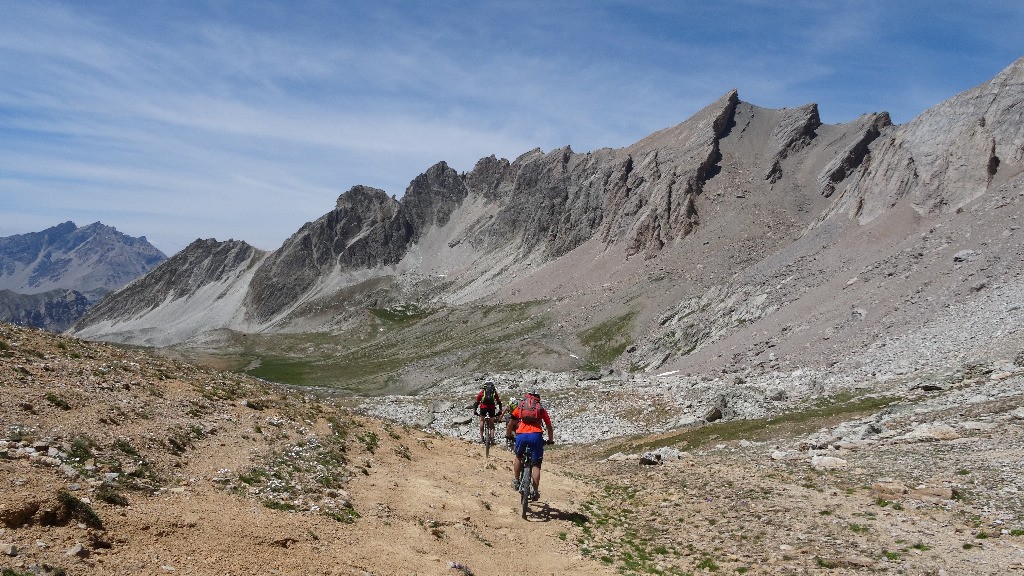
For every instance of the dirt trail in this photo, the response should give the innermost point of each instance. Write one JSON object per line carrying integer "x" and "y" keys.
{"x": 415, "y": 519}
{"x": 115, "y": 462}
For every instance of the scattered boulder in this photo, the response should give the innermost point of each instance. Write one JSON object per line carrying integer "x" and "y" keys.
{"x": 932, "y": 493}
{"x": 889, "y": 489}
{"x": 661, "y": 455}
{"x": 442, "y": 406}
{"x": 77, "y": 550}
{"x": 964, "y": 256}
{"x": 828, "y": 463}
{"x": 713, "y": 414}
{"x": 931, "y": 432}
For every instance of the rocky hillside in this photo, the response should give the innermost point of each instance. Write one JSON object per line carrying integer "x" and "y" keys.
{"x": 53, "y": 310}
{"x": 116, "y": 461}
{"x": 49, "y": 279}
{"x": 743, "y": 240}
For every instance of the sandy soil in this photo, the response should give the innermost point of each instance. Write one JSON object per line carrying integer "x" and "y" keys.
{"x": 117, "y": 462}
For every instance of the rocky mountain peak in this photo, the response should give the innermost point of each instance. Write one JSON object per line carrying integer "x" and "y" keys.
{"x": 90, "y": 261}
{"x": 947, "y": 156}
{"x": 736, "y": 214}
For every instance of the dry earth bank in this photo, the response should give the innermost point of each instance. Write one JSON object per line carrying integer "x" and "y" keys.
{"x": 114, "y": 461}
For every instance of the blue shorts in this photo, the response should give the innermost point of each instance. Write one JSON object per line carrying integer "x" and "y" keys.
{"x": 535, "y": 440}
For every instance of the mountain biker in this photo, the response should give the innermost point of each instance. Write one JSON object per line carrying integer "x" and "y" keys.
{"x": 486, "y": 400}
{"x": 531, "y": 417}
{"x": 512, "y": 424}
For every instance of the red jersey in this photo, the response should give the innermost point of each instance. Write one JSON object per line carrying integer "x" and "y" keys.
{"x": 525, "y": 428}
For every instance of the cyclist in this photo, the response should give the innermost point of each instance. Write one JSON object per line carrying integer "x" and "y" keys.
{"x": 486, "y": 400}
{"x": 533, "y": 418}
{"x": 512, "y": 424}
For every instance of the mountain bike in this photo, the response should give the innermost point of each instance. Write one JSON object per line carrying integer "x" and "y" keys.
{"x": 488, "y": 435}
{"x": 526, "y": 481}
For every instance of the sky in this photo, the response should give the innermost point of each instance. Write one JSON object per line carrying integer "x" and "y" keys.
{"x": 245, "y": 119}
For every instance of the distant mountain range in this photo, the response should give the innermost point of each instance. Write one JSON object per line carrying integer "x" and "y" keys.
{"x": 49, "y": 279}
{"x": 742, "y": 239}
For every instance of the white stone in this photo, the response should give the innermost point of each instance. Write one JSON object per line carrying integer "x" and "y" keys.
{"x": 828, "y": 463}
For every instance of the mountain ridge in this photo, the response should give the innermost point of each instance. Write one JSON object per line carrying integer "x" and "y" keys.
{"x": 42, "y": 272}
{"x": 711, "y": 219}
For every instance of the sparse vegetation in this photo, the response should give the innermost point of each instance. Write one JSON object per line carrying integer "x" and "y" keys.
{"x": 57, "y": 401}
{"x": 81, "y": 449}
{"x": 607, "y": 341}
{"x": 858, "y": 528}
{"x": 369, "y": 440}
{"x": 796, "y": 422}
{"x": 79, "y": 510}
{"x": 109, "y": 495}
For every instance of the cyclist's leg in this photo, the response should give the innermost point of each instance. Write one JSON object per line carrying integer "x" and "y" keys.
{"x": 517, "y": 469}
{"x": 536, "y": 442}
{"x": 520, "y": 449}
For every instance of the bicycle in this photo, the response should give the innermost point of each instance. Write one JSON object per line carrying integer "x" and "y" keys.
{"x": 526, "y": 481}
{"x": 526, "y": 491}
{"x": 488, "y": 435}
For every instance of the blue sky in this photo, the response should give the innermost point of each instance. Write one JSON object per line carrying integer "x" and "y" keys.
{"x": 245, "y": 119}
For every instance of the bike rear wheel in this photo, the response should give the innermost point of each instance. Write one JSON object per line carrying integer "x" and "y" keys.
{"x": 526, "y": 486}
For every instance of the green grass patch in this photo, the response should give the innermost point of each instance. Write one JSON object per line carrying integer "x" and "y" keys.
{"x": 708, "y": 564}
{"x": 367, "y": 359}
{"x": 283, "y": 370}
{"x": 107, "y": 494}
{"x": 400, "y": 314}
{"x": 607, "y": 341}
{"x": 57, "y": 401}
{"x": 369, "y": 440}
{"x": 81, "y": 449}
{"x": 797, "y": 422}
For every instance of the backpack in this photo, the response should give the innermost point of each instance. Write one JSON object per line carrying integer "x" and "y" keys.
{"x": 489, "y": 394}
{"x": 529, "y": 410}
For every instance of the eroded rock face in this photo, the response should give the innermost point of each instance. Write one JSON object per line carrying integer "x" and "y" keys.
{"x": 947, "y": 156}
{"x": 355, "y": 233}
{"x": 55, "y": 310}
{"x": 749, "y": 182}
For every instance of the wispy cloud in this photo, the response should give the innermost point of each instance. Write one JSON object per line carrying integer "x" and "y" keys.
{"x": 245, "y": 120}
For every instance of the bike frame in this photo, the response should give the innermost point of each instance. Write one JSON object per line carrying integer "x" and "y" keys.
{"x": 526, "y": 481}
{"x": 488, "y": 434}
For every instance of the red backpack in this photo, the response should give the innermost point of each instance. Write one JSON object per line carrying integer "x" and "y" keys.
{"x": 529, "y": 410}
